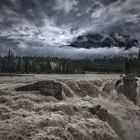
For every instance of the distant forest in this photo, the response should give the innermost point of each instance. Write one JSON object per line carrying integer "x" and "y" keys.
{"x": 133, "y": 65}
{"x": 47, "y": 65}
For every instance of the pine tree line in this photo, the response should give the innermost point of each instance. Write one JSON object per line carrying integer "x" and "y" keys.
{"x": 37, "y": 64}
{"x": 132, "y": 66}
{"x": 46, "y": 65}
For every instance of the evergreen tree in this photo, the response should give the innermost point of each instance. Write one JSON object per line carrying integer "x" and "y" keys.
{"x": 139, "y": 55}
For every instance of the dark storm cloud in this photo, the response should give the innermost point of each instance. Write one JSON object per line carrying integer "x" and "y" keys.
{"x": 64, "y": 11}
{"x": 30, "y": 25}
{"x": 121, "y": 16}
{"x": 107, "y": 2}
{"x": 21, "y": 9}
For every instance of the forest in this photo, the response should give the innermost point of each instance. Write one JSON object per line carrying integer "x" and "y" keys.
{"x": 47, "y": 65}
{"x": 132, "y": 65}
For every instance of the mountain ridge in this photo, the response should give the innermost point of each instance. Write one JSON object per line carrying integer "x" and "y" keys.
{"x": 96, "y": 40}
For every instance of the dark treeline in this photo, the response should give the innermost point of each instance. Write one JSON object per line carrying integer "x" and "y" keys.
{"x": 38, "y": 64}
{"x": 133, "y": 66}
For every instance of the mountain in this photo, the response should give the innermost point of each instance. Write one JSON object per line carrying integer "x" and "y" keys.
{"x": 100, "y": 41}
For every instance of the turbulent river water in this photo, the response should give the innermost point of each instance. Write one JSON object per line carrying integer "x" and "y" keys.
{"x": 30, "y": 115}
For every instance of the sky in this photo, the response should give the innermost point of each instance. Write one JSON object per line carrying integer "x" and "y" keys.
{"x": 42, "y": 27}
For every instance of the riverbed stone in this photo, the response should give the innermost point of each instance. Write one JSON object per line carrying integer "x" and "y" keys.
{"x": 47, "y": 88}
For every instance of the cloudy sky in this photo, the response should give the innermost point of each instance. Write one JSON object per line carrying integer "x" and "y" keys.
{"x": 40, "y": 27}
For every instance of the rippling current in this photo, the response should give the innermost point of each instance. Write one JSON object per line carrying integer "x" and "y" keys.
{"x": 30, "y": 115}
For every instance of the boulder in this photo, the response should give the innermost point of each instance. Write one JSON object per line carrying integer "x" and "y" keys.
{"x": 127, "y": 86}
{"x": 130, "y": 86}
{"x": 100, "y": 111}
{"x": 95, "y": 109}
{"x": 47, "y": 88}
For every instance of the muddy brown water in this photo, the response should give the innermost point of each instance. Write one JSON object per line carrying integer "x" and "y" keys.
{"x": 31, "y": 116}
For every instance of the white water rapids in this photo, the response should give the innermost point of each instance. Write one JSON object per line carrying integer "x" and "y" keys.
{"x": 32, "y": 116}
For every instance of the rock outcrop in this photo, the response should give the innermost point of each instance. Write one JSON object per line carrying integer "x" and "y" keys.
{"x": 100, "y": 111}
{"x": 47, "y": 88}
{"x": 127, "y": 86}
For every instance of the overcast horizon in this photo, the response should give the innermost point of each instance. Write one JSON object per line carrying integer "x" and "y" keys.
{"x": 43, "y": 27}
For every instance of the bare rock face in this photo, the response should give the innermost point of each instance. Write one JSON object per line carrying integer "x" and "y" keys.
{"x": 100, "y": 111}
{"x": 55, "y": 89}
{"x": 130, "y": 85}
{"x": 48, "y": 88}
{"x": 127, "y": 86}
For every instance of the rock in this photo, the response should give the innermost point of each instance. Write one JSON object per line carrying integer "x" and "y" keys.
{"x": 95, "y": 109}
{"x": 119, "y": 85}
{"x": 127, "y": 86}
{"x": 120, "y": 88}
{"x": 130, "y": 86}
{"x": 100, "y": 111}
{"x": 48, "y": 88}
